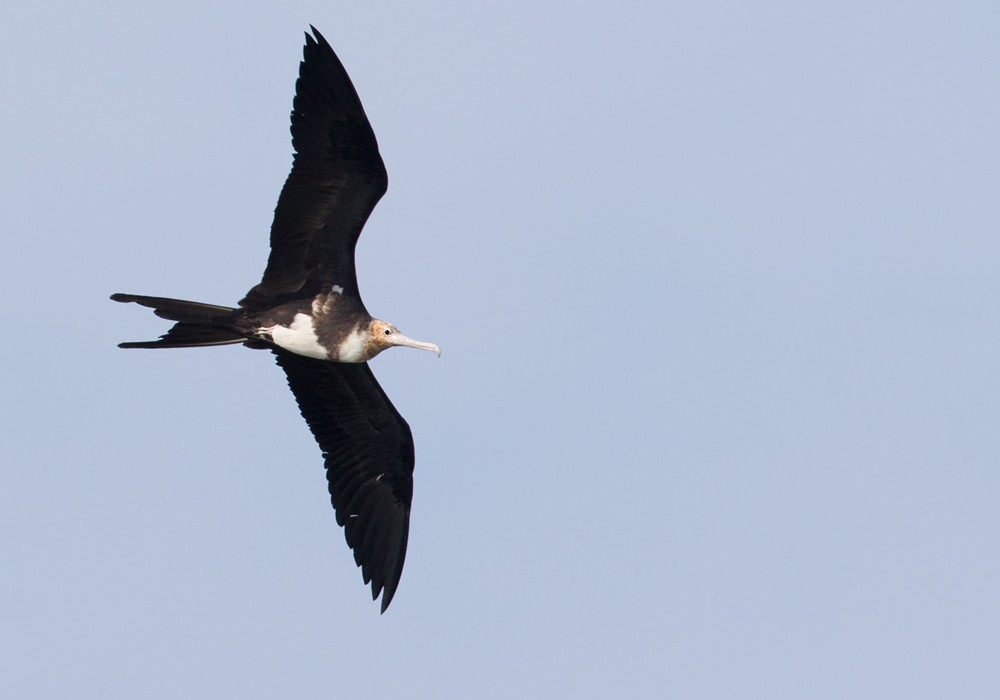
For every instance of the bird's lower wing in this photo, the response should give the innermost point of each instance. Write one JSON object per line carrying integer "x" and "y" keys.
{"x": 368, "y": 450}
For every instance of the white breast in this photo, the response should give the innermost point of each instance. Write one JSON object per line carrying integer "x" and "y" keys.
{"x": 354, "y": 348}
{"x": 300, "y": 338}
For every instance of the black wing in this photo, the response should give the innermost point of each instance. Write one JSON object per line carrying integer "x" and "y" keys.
{"x": 337, "y": 178}
{"x": 368, "y": 450}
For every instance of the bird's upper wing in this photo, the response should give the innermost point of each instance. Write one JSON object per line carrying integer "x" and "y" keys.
{"x": 337, "y": 178}
{"x": 368, "y": 450}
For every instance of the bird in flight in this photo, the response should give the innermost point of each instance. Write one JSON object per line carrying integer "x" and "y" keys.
{"x": 307, "y": 310}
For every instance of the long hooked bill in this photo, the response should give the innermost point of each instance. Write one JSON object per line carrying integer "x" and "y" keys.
{"x": 400, "y": 339}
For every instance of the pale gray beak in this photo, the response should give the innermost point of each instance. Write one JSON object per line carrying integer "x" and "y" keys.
{"x": 400, "y": 339}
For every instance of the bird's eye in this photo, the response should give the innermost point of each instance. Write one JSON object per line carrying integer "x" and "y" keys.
{"x": 388, "y": 331}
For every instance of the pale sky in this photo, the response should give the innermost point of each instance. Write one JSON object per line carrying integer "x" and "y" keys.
{"x": 717, "y": 413}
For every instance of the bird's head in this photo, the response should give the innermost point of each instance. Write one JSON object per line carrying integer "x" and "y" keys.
{"x": 383, "y": 335}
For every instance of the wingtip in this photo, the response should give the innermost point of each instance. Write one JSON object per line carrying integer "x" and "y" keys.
{"x": 386, "y": 599}
{"x": 316, "y": 35}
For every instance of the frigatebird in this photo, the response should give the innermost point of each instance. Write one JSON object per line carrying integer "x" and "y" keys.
{"x": 307, "y": 310}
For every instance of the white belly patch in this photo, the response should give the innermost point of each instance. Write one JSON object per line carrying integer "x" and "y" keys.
{"x": 300, "y": 338}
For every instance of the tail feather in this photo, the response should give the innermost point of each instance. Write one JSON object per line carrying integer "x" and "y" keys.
{"x": 198, "y": 324}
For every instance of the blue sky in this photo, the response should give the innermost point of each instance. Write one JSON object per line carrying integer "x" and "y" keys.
{"x": 717, "y": 410}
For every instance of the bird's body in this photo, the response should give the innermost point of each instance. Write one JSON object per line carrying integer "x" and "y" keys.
{"x": 308, "y": 311}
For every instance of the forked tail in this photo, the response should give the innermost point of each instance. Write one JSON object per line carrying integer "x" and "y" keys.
{"x": 196, "y": 324}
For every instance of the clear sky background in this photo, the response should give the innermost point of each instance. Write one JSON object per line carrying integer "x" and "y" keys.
{"x": 716, "y": 285}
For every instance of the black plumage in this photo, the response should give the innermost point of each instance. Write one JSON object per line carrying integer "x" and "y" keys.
{"x": 368, "y": 449}
{"x": 307, "y": 309}
{"x": 337, "y": 178}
